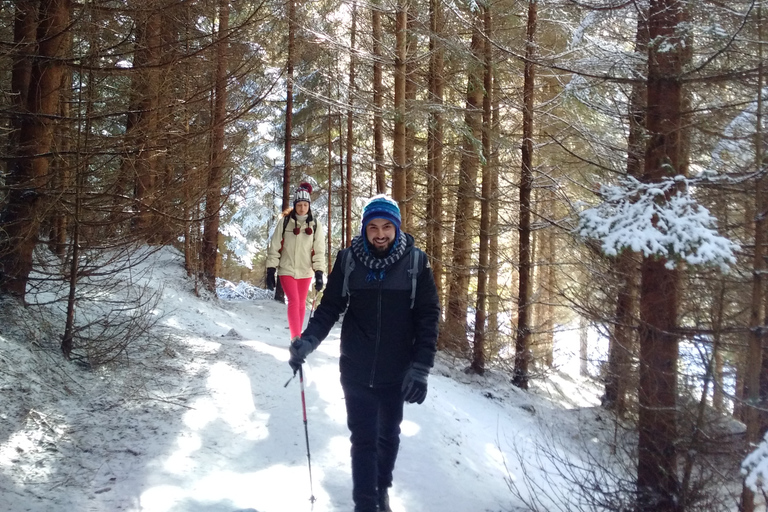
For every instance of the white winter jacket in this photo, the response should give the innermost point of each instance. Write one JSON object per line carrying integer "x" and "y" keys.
{"x": 301, "y": 254}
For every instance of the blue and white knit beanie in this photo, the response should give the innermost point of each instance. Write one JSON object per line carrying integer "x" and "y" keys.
{"x": 381, "y": 207}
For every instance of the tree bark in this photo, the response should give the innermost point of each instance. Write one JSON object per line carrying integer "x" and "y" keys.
{"x": 411, "y": 72}
{"x": 481, "y": 313}
{"x": 62, "y": 167}
{"x": 523, "y": 334}
{"x": 289, "y": 105}
{"x": 622, "y": 340}
{"x": 464, "y": 232}
{"x": 329, "y": 149}
{"x": 378, "y": 100}
{"x": 350, "y": 135}
{"x": 213, "y": 199}
{"x": 492, "y": 333}
{"x": 657, "y": 480}
{"x": 144, "y": 129}
{"x": 29, "y": 180}
{"x": 754, "y": 385}
{"x": 24, "y": 29}
{"x": 398, "y": 142}
{"x": 435, "y": 145}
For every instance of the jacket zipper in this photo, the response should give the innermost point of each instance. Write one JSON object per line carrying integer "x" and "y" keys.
{"x": 378, "y": 335}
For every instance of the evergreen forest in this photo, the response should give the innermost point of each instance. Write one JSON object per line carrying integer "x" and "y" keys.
{"x": 588, "y": 165}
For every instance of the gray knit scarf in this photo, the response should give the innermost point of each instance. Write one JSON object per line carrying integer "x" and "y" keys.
{"x": 378, "y": 266}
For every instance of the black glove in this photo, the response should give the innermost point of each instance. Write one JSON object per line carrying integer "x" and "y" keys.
{"x": 318, "y": 280}
{"x": 301, "y": 347}
{"x": 415, "y": 383}
{"x": 271, "y": 283}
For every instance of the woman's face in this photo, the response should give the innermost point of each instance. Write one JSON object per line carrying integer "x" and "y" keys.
{"x": 302, "y": 208}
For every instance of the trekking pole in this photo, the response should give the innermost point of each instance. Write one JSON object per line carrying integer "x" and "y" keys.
{"x": 304, "y": 412}
{"x": 306, "y": 433}
{"x": 311, "y": 310}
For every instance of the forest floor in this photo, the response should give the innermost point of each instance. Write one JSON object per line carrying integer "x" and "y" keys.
{"x": 197, "y": 417}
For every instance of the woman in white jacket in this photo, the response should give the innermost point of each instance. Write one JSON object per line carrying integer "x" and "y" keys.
{"x": 296, "y": 253}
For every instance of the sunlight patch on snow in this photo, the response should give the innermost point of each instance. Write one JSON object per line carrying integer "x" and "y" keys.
{"x": 227, "y": 327}
{"x": 205, "y": 411}
{"x": 332, "y": 395}
{"x": 339, "y": 445}
{"x": 279, "y": 353}
{"x": 181, "y": 460}
{"x": 204, "y": 344}
{"x": 336, "y": 410}
{"x": 409, "y": 428}
{"x": 232, "y": 389}
{"x": 17, "y": 443}
{"x": 286, "y": 487}
{"x": 173, "y": 322}
{"x": 495, "y": 456}
{"x": 278, "y": 487}
{"x": 231, "y": 401}
{"x": 160, "y": 498}
{"x": 42, "y": 431}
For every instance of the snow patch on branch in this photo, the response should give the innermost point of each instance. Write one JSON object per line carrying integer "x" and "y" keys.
{"x": 656, "y": 219}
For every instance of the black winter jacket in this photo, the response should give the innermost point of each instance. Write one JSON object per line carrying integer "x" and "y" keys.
{"x": 380, "y": 334}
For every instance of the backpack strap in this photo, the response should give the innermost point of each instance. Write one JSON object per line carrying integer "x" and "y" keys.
{"x": 286, "y": 220}
{"x": 314, "y": 234}
{"x": 414, "y": 273}
{"x": 348, "y": 263}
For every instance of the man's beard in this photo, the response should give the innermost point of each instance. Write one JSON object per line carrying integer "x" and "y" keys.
{"x": 380, "y": 253}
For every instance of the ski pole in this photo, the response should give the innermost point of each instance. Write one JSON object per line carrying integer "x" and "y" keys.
{"x": 311, "y": 311}
{"x": 306, "y": 433}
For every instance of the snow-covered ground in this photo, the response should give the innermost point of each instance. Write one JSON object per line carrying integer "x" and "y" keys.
{"x": 200, "y": 419}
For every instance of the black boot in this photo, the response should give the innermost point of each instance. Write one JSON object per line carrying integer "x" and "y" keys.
{"x": 384, "y": 501}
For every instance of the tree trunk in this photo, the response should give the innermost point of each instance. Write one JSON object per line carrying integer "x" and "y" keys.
{"x": 144, "y": 130}
{"x": 289, "y": 105}
{"x": 62, "y": 167}
{"x": 378, "y": 100}
{"x": 657, "y": 480}
{"x": 754, "y": 396}
{"x": 24, "y": 28}
{"x": 398, "y": 142}
{"x": 455, "y": 331}
{"x": 347, "y": 240}
{"x": 435, "y": 145}
{"x": 329, "y": 149}
{"x": 213, "y": 199}
{"x": 67, "y": 338}
{"x": 411, "y": 72}
{"x": 30, "y": 176}
{"x": 622, "y": 341}
{"x": 523, "y": 335}
{"x": 549, "y": 280}
{"x": 481, "y": 314}
{"x": 492, "y": 332}
{"x": 620, "y": 345}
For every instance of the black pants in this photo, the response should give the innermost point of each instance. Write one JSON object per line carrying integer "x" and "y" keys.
{"x": 373, "y": 418}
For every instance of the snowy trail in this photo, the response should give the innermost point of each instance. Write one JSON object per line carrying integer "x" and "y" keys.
{"x": 201, "y": 422}
{"x": 248, "y": 432}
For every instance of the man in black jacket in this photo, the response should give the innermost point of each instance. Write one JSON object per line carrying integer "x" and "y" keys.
{"x": 388, "y": 342}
